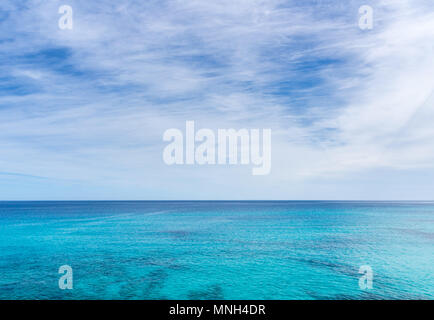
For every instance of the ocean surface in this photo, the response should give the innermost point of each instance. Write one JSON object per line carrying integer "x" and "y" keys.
{"x": 217, "y": 250}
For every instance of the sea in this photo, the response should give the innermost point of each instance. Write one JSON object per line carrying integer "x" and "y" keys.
{"x": 273, "y": 250}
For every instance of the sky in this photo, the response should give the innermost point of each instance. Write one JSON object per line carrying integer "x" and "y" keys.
{"x": 83, "y": 111}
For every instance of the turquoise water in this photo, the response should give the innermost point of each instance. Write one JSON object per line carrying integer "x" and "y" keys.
{"x": 217, "y": 250}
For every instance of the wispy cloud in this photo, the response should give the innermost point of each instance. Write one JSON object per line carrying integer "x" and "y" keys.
{"x": 89, "y": 105}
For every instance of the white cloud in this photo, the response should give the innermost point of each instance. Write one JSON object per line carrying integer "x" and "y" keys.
{"x": 151, "y": 66}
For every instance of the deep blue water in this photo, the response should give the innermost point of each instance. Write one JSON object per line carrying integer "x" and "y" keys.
{"x": 217, "y": 250}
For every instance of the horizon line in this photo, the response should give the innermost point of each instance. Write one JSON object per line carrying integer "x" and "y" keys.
{"x": 192, "y": 200}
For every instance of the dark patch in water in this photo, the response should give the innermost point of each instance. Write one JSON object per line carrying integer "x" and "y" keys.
{"x": 179, "y": 234}
{"x": 339, "y": 268}
{"x": 214, "y": 292}
{"x": 382, "y": 281}
{"x": 156, "y": 280}
{"x": 146, "y": 287}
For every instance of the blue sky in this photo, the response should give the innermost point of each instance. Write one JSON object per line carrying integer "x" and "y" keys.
{"x": 83, "y": 111}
